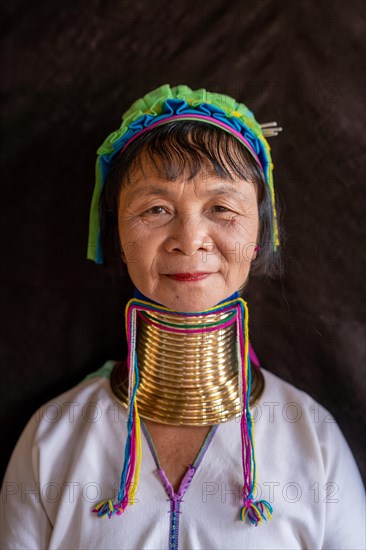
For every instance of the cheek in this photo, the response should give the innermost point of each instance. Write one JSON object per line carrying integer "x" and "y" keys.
{"x": 139, "y": 247}
{"x": 238, "y": 240}
{"x": 132, "y": 253}
{"x": 130, "y": 240}
{"x": 139, "y": 265}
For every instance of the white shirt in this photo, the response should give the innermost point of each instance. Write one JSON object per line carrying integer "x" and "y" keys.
{"x": 70, "y": 457}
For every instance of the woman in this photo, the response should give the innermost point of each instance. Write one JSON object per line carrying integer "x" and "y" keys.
{"x": 184, "y": 197}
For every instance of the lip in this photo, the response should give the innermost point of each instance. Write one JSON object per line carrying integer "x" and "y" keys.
{"x": 189, "y": 277}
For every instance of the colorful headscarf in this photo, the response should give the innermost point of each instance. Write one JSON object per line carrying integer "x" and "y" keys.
{"x": 164, "y": 105}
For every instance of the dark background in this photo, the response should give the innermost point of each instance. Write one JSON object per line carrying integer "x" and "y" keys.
{"x": 69, "y": 69}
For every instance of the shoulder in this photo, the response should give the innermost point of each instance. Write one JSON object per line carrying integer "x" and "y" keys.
{"x": 294, "y": 409}
{"x": 60, "y": 455}
{"x": 63, "y": 419}
{"x": 305, "y": 429}
{"x": 90, "y": 393}
{"x": 293, "y": 425}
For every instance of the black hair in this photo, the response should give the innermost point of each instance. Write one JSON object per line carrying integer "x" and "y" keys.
{"x": 186, "y": 147}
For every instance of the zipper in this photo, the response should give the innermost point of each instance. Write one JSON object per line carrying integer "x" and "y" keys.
{"x": 176, "y": 498}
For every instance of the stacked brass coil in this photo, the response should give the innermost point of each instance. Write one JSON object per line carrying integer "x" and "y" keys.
{"x": 185, "y": 379}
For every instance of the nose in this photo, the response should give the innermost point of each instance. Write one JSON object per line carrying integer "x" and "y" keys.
{"x": 188, "y": 235}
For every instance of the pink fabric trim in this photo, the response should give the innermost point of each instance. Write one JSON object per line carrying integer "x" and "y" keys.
{"x": 253, "y": 357}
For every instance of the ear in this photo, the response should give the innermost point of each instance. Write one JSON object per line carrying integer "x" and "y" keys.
{"x": 123, "y": 256}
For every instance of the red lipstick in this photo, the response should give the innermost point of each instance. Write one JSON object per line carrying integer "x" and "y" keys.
{"x": 185, "y": 277}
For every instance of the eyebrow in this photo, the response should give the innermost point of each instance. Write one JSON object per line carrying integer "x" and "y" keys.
{"x": 159, "y": 191}
{"x": 224, "y": 189}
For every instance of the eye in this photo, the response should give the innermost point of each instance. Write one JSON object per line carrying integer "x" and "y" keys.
{"x": 219, "y": 208}
{"x": 156, "y": 210}
{"x": 223, "y": 213}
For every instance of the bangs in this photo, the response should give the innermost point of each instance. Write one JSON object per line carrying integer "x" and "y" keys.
{"x": 177, "y": 150}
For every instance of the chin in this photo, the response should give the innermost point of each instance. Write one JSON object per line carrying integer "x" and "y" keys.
{"x": 190, "y": 304}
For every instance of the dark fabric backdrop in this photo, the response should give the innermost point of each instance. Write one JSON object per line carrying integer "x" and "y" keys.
{"x": 69, "y": 70}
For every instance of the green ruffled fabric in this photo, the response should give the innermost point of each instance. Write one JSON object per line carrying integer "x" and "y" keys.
{"x": 152, "y": 103}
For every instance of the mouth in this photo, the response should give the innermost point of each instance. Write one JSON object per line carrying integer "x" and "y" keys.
{"x": 189, "y": 277}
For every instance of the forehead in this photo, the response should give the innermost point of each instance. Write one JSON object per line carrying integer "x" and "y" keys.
{"x": 148, "y": 183}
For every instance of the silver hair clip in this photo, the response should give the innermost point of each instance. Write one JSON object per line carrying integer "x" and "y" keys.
{"x": 270, "y": 129}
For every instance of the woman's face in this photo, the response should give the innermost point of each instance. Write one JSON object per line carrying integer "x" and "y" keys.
{"x": 188, "y": 244}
